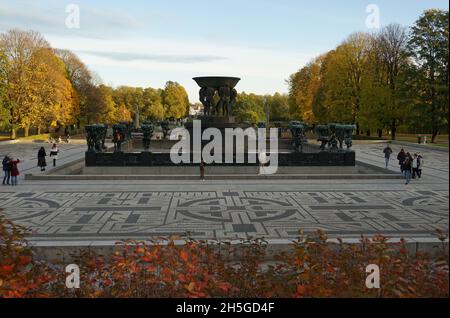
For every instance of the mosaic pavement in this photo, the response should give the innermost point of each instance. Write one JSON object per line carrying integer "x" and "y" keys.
{"x": 82, "y": 216}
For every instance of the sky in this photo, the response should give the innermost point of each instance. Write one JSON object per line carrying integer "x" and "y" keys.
{"x": 147, "y": 43}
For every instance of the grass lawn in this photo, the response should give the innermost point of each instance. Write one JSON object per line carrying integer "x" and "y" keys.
{"x": 441, "y": 140}
{"x": 33, "y": 137}
{"x": 36, "y": 137}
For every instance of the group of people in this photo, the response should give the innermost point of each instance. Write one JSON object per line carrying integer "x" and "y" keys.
{"x": 42, "y": 154}
{"x": 10, "y": 170}
{"x": 11, "y": 166}
{"x": 59, "y": 140}
{"x": 410, "y": 165}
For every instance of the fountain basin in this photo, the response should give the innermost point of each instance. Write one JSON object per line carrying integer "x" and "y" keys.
{"x": 216, "y": 81}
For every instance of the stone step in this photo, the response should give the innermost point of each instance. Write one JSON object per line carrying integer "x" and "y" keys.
{"x": 215, "y": 177}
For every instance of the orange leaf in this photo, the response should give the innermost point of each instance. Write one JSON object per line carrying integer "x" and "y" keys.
{"x": 184, "y": 256}
{"x": 224, "y": 286}
{"x": 190, "y": 287}
{"x": 24, "y": 260}
{"x": 7, "y": 268}
{"x": 301, "y": 289}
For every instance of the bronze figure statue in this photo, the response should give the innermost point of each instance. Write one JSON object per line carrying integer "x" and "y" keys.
{"x": 224, "y": 102}
{"x": 224, "y": 86}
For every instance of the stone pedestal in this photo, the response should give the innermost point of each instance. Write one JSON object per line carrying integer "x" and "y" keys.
{"x": 220, "y": 123}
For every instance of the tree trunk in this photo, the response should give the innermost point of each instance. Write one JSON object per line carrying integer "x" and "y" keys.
{"x": 368, "y": 133}
{"x": 434, "y": 135}
{"x": 13, "y": 134}
{"x": 39, "y": 130}
{"x": 380, "y": 133}
{"x": 26, "y": 131}
{"x": 434, "y": 115}
{"x": 394, "y": 129}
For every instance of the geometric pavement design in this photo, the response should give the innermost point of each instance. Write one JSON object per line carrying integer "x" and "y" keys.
{"x": 80, "y": 216}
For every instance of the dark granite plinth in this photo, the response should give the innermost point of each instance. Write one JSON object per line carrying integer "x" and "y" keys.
{"x": 147, "y": 159}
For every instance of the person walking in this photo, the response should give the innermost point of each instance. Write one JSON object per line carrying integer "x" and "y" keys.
{"x": 387, "y": 155}
{"x": 54, "y": 154}
{"x": 202, "y": 170}
{"x": 401, "y": 158}
{"x": 6, "y": 170}
{"x": 14, "y": 164}
{"x": 41, "y": 159}
{"x": 407, "y": 167}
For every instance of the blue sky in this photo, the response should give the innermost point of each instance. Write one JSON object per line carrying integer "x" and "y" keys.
{"x": 146, "y": 43}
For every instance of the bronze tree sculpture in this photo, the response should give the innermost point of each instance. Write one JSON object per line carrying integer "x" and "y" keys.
{"x": 147, "y": 129}
{"x": 298, "y": 130}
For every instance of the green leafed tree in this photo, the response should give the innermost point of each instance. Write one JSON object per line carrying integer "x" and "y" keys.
{"x": 279, "y": 107}
{"x": 429, "y": 46}
{"x": 250, "y": 108}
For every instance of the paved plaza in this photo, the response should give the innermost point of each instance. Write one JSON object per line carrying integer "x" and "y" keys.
{"x": 84, "y": 212}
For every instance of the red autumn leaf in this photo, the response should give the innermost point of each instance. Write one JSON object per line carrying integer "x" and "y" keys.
{"x": 301, "y": 290}
{"x": 7, "y": 268}
{"x": 24, "y": 260}
{"x": 184, "y": 256}
{"x": 224, "y": 286}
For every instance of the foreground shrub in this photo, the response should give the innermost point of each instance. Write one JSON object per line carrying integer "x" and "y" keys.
{"x": 313, "y": 267}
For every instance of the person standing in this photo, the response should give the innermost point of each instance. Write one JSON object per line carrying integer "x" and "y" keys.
{"x": 387, "y": 155}
{"x": 14, "y": 171}
{"x": 118, "y": 142}
{"x": 407, "y": 167}
{"x": 420, "y": 165}
{"x": 6, "y": 170}
{"x": 401, "y": 158}
{"x": 202, "y": 170}
{"x": 415, "y": 166}
{"x": 54, "y": 154}
{"x": 41, "y": 159}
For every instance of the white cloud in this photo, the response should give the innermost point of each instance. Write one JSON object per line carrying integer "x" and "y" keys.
{"x": 49, "y": 17}
{"x": 109, "y": 43}
{"x": 262, "y": 71}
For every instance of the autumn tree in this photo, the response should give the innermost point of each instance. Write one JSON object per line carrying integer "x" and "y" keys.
{"x": 175, "y": 101}
{"x": 58, "y": 103}
{"x": 429, "y": 46}
{"x": 24, "y": 76}
{"x": 345, "y": 75}
{"x": 4, "y": 105}
{"x": 330, "y": 87}
{"x": 81, "y": 79}
{"x": 386, "y": 103}
{"x": 153, "y": 104}
{"x": 303, "y": 87}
